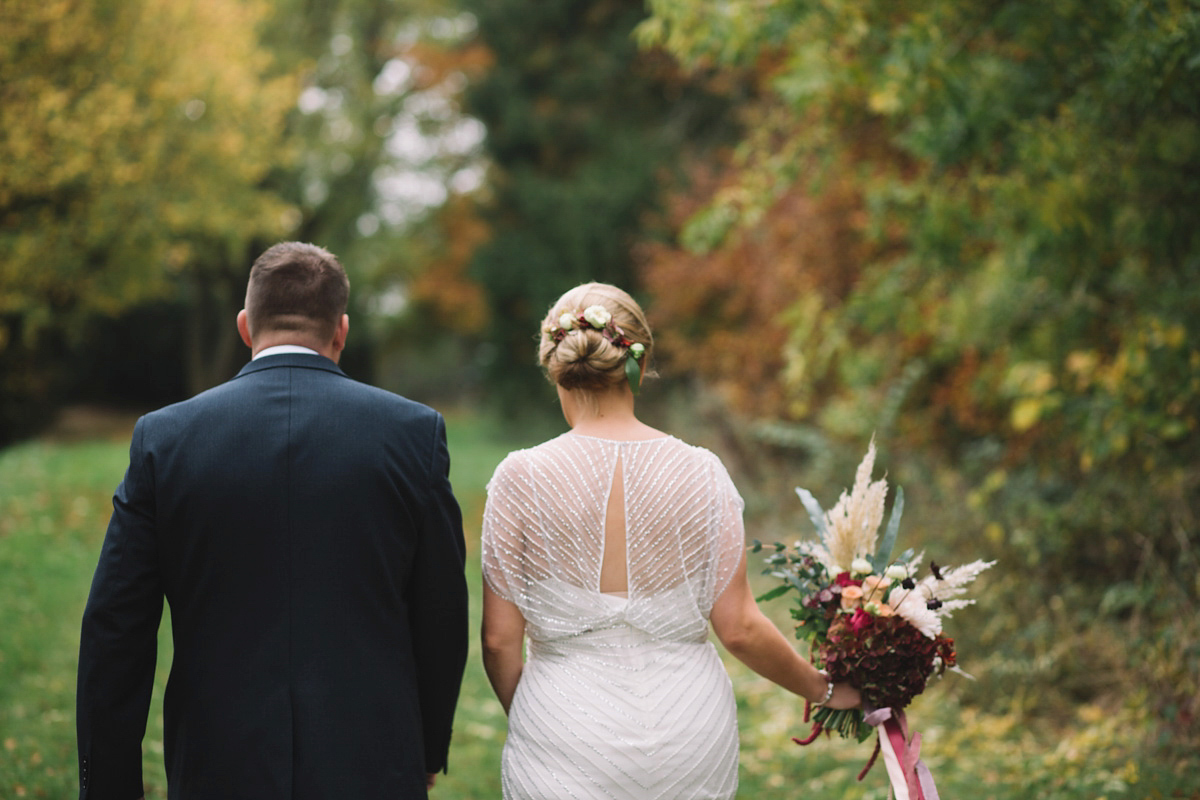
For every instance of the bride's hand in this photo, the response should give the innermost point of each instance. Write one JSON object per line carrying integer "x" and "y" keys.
{"x": 844, "y": 696}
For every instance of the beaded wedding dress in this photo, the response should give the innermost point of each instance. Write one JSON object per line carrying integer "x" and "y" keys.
{"x": 620, "y": 697}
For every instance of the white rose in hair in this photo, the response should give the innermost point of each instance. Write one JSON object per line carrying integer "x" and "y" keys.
{"x": 567, "y": 321}
{"x": 597, "y": 316}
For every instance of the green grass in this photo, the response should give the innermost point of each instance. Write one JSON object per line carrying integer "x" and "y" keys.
{"x": 54, "y": 505}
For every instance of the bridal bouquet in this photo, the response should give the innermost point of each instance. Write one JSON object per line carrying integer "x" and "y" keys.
{"x": 872, "y": 621}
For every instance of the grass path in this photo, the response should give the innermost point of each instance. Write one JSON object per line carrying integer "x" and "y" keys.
{"x": 54, "y": 505}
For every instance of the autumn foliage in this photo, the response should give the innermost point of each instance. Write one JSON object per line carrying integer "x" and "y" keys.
{"x": 972, "y": 229}
{"x": 728, "y": 314}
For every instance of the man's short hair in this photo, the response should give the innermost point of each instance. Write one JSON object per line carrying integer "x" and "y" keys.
{"x": 299, "y": 288}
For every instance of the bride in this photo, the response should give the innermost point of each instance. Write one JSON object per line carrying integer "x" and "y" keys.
{"x": 612, "y": 547}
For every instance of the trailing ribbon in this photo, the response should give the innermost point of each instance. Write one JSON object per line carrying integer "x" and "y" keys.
{"x": 910, "y": 778}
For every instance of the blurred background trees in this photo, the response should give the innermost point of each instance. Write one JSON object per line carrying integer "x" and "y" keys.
{"x": 585, "y": 132}
{"x": 152, "y": 149}
{"x": 127, "y": 162}
{"x": 970, "y": 228}
{"x": 973, "y": 229}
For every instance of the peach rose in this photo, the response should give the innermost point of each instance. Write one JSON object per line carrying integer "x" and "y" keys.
{"x": 874, "y": 586}
{"x": 851, "y": 597}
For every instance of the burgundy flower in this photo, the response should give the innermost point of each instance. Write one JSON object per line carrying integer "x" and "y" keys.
{"x": 844, "y": 579}
{"x": 885, "y": 658}
{"x": 860, "y": 619}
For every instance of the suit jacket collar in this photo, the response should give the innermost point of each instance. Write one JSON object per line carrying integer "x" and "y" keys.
{"x": 303, "y": 360}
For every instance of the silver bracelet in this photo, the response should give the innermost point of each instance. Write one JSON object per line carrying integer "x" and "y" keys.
{"x": 828, "y": 689}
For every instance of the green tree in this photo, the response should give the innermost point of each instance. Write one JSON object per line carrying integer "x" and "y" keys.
{"x": 581, "y": 128}
{"x": 121, "y": 156}
{"x": 137, "y": 171}
{"x": 373, "y": 140}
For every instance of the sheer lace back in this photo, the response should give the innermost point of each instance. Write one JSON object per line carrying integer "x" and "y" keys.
{"x": 620, "y": 698}
{"x": 544, "y": 535}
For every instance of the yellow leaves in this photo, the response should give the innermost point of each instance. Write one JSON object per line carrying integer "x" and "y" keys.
{"x": 1082, "y": 365}
{"x": 106, "y": 160}
{"x": 1026, "y": 412}
{"x": 1033, "y": 383}
{"x": 885, "y": 100}
{"x": 977, "y": 498}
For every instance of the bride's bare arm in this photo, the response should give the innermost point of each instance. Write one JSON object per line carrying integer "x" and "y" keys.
{"x": 503, "y": 634}
{"x": 756, "y": 642}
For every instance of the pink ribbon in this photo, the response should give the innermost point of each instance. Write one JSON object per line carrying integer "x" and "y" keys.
{"x": 910, "y": 778}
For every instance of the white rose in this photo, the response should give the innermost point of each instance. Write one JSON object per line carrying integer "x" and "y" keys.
{"x": 597, "y": 316}
{"x": 897, "y": 572}
{"x": 861, "y": 566}
{"x": 567, "y": 321}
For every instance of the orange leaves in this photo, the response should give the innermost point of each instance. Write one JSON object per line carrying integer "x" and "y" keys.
{"x": 723, "y": 315}
{"x": 436, "y": 64}
{"x": 443, "y": 286}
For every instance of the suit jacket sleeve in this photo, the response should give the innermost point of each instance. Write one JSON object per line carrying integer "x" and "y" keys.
{"x": 438, "y": 606}
{"x": 118, "y": 642}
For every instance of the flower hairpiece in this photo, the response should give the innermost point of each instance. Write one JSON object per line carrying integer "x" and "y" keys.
{"x": 597, "y": 318}
{"x": 600, "y": 319}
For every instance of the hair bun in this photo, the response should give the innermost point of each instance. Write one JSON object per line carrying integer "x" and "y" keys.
{"x": 585, "y": 360}
{"x": 586, "y": 337}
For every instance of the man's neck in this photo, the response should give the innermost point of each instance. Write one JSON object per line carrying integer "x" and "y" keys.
{"x": 271, "y": 342}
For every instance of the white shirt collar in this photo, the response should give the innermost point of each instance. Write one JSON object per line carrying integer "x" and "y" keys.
{"x": 283, "y": 348}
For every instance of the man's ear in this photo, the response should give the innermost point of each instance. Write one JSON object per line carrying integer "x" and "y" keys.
{"x": 340, "y": 334}
{"x": 243, "y": 326}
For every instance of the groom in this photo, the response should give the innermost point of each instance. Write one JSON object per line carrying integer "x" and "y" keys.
{"x": 301, "y": 527}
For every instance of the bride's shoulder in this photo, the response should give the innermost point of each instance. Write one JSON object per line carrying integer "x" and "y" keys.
{"x": 513, "y": 467}
{"x": 697, "y": 456}
{"x": 696, "y": 450}
{"x": 520, "y": 462}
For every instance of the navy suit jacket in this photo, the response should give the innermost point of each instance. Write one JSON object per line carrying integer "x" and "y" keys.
{"x": 302, "y": 529}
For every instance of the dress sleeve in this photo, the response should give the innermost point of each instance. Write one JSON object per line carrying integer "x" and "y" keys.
{"x": 730, "y": 531}
{"x": 507, "y": 517}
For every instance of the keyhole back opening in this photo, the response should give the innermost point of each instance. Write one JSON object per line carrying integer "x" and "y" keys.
{"x": 614, "y": 571}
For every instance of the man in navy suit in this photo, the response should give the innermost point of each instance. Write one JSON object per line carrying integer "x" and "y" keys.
{"x": 302, "y": 529}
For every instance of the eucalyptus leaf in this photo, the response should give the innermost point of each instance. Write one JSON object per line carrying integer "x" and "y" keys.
{"x": 633, "y": 373}
{"x": 815, "y": 512}
{"x": 883, "y": 553}
{"x": 778, "y": 591}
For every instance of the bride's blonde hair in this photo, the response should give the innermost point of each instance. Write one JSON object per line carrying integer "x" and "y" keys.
{"x": 582, "y": 357}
